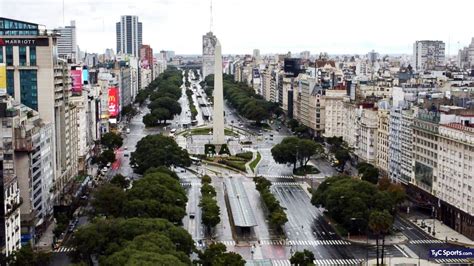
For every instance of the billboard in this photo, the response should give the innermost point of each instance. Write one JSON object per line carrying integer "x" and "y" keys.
{"x": 76, "y": 76}
{"x": 292, "y": 67}
{"x": 85, "y": 75}
{"x": 113, "y": 102}
{"x": 3, "y": 79}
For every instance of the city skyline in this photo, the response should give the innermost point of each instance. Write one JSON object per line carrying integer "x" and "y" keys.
{"x": 357, "y": 28}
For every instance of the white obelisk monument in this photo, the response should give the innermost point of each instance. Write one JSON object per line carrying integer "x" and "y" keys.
{"x": 218, "y": 117}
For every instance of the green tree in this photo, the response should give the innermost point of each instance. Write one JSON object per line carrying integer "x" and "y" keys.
{"x": 150, "y": 120}
{"x": 368, "y": 172}
{"x": 306, "y": 149}
{"x": 120, "y": 181}
{"x": 210, "y": 212}
{"x": 107, "y": 156}
{"x": 158, "y": 150}
{"x": 103, "y": 237}
{"x": 167, "y": 103}
{"x": 206, "y": 179}
{"x": 208, "y": 190}
{"x": 162, "y": 114}
{"x": 293, "y": 123}
{"x": 27, "y": 257}
{"x": 111, "y": 140}
{"x": 302, "y": 258}
{"x": 286, "y": 151}
{"x": 342, "y": 155}
{"x": 148, "y": 249}
{"x": 216, "y": 255}
{"x": 380, "y": 224}
{"x": 128, "y": 111}
{"x": 108, "y": 200}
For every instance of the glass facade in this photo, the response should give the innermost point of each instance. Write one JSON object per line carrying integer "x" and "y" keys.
{"x": 29, "y": 88}
{"x": 22, "y": 50}
{"x": 9, "y": 55}
{"x": 10, "y": 27}
{"x": 10, "y": 83}
{"x": 1, "y": 54}
{"x": 32, "y": 56}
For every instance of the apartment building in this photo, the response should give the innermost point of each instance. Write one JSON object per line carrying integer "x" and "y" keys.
{"x": 427, "y": 55}
{"x": 383, "y": 143}
{"x": 366, "y": 147}
{"x": 10, "y": 234}
{"x": 308, "y": 105}
{"x": 334, "y": 116}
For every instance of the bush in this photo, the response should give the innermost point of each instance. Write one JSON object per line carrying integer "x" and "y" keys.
{"x": 245, "y": 155}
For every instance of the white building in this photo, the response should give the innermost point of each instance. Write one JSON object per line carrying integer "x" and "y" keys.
{"x": 466, "y": 56}
{"x": 383, "y": 137}
{"x": 67, "y": 42}
{"x": 366, "y": 147}
{"x": 427, "y": 55}
{"x": 334, "y": 122}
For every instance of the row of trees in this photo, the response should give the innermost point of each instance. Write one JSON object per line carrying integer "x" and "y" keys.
{"x": 164, "y": 96}
{"x": 244, "y": 99}
{"x": 192, "y": 107}
{"x": 277, "y": 215}
{"x": 208, "y": 204}
{"x": 293, "y": 150}
{"x": 109, "y": 141}
{"x": 339, "y": 148}
{"x": 359, "y": 205}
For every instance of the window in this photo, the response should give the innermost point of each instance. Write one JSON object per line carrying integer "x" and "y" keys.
{"x": 10, "y": 82}
{"x": 28, "y": 88}
{"x": 22, "y": 50}
{"x": 9, "y": 55}
{"x": 1, "y": 55}
{"x": 33, "y": 56}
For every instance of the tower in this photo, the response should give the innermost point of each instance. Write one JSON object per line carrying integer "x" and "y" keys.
{"x": 218, "y": 117}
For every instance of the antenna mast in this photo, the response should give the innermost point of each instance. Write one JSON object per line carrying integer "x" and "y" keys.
{"x": 210, "y": 23}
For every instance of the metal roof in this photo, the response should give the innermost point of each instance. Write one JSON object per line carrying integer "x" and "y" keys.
{"x": 239, "y": 203}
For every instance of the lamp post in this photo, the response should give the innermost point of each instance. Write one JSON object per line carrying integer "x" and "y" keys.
{"x": 367, "y": 239}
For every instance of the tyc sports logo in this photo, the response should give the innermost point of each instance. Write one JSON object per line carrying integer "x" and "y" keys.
{"x": 463, "y": 253}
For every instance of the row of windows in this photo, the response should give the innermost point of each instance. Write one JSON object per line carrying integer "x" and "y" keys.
{"x": 22, "y": 55}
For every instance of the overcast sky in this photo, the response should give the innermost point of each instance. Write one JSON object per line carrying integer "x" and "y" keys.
{"x": 273, "y": 26}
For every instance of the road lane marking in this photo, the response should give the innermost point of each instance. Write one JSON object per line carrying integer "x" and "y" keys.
{"x": 401, "y": 250}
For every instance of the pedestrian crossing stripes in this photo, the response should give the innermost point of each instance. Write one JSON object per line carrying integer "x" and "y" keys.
{"x": 337, "y": 262}
{"x": 304, "y": 242}
{"x": 225, "y": 242}
{"x": 426, "y": 241}
{"x": 63, "y": 249}
{"x": 285, "y": 184}
{"x": 322, "y": 262}
{"x": 278, "y": 176}
{"x": 441, "y": 261}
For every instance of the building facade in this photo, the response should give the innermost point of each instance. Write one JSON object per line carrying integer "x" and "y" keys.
{"x": 67, "y": 43}
{"x": 427, "y": 55}
{"x": 129, "y": 32}
{"x": 334, "y": 122}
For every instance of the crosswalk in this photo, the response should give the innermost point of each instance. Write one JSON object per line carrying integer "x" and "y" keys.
{"x": 270, "y": 242}
{"x": 278, "y": 176}
{"x": 450, "y": 261}
{"x": 63, "y": 250}
{"x": 426, "y": 241}
{"x": 285, "y": 184}
{"x": 322, "y": 262}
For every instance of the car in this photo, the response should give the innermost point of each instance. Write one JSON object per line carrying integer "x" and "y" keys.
{"x": 127, "y": 154}
{"x": 192, "y": 215}
{"x": 279, "y": 127}
{"x": 271, "y": 135}
{"x": 125, "y": 148}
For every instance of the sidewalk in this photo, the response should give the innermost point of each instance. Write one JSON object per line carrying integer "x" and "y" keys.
{"x": 442, "y": 231}
{"x": 403, "y": 261}
{"x": 45, "y": 243}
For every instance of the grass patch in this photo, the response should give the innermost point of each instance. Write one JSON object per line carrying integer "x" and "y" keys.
{"x": 254, "y": 163}
{"x": 239, "y": 165}
{"x": 206, "y": 130}
{"x": 245, "y": 155}
{"x": 306, "y": 170}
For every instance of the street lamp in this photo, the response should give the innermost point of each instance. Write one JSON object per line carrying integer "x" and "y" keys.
{"x": 366, "y": 236}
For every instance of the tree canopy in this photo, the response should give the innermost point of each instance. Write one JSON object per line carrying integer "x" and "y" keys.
{"x": 158, "y": 150}
{"x": 292, "y": 150}
{"x": 368, "y": 172}
{"x": 302, "y": 258}
{"x": 350, "y": 201}
{"x": 216, "y": 254}
{"x": 111, "y": 140}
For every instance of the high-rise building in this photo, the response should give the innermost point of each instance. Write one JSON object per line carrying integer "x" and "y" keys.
{"x": 427, "y": 55}
{"x": 334, "y": 123}
{"x": 37, "y": 78}
{"x": 146, "y": 56}
{"x": 129, "y": 35}
{"x": 10, "y": 201}
{"x": 208, "y": 47}
{"x": 67, "y": 42}
{"x": 466, "y": 56}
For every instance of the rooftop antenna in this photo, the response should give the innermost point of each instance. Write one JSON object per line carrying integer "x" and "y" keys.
{"x": 63, "y": 14}
{"x": 210, "y": 23}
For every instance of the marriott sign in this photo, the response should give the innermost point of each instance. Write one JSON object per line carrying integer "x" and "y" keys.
{"x": 24, "y": 41}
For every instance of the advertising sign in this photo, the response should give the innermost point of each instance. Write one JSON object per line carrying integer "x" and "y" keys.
{"x": 113, "y": 102}
{"x": 85, "y": 75}
{"x": 76, "y": 81}
{"x": 3, "y": 79}
{"x": 24, "y": 41}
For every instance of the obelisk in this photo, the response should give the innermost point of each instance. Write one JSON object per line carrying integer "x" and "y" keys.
{"x": 218, "y": 117}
